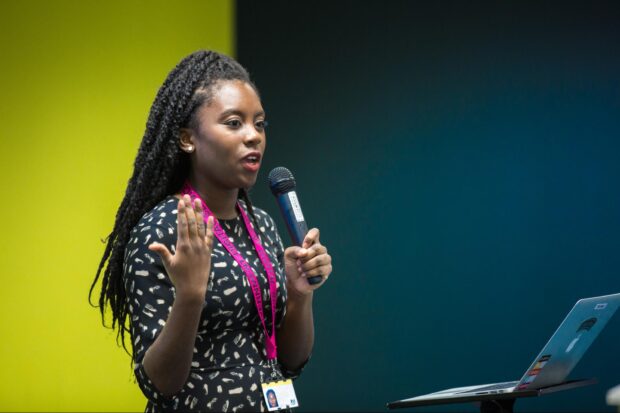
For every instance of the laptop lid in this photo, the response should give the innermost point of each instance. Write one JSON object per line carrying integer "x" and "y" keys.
{"x": 570, "y": 342}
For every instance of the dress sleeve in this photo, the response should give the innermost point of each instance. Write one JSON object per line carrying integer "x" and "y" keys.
{"x": 150, "y": 295}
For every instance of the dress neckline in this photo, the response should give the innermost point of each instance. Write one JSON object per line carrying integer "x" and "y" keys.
{"x": 231, "y": 221}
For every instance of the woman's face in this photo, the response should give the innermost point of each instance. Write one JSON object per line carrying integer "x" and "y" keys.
{"x": 272, "y": 400}
{"x": 229, "y": 137}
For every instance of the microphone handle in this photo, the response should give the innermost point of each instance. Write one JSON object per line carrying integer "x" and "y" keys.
{"x": 295, "y": 223}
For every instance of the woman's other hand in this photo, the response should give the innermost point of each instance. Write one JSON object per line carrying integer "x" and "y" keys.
{"x": 189, "y": 267}
{"x": 309, "y": 260}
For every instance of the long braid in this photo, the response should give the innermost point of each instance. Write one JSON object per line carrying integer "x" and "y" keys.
{"x": 243, "y": 194}
{"x": 160, "y": 167}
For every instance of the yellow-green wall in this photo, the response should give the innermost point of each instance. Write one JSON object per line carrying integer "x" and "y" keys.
{"x": 76, "y": 81}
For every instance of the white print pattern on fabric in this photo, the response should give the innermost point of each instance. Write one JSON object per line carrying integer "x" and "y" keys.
{"x": 229, "y": 360}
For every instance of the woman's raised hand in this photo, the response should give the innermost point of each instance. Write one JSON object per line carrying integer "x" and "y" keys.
{"x": 190, "y": 266}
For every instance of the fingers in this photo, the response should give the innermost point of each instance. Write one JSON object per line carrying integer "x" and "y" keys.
{"x": 323, "y": 271}
{"x": 320, "y": 265}
{"x": 202, "y": 230}
{"x": 192, "y": 228}
{"x": 318, "y": 261}
{"x": 190, "y": 220}
{"x": 162, "y": 251}
{"x": 310, "y": 261}
{"x": 306, "y": 254}
{"x": 181, "y": 221}
{"x": 209, "y": 232}
{"x": 292, "y": 253}
{"x": 311, "y": 238}
{"x": 200, "y": 222}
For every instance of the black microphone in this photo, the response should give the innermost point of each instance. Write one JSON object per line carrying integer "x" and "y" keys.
{"x": 282, "y": 186}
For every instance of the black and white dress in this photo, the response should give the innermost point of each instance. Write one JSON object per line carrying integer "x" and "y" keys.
{"x": 229, "y": 361}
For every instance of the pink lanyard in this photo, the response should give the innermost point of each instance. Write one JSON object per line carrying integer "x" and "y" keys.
{"x": 270, "y": 340}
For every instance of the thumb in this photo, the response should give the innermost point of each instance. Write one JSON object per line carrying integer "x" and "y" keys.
{"x": 162, "y": 251}
{"x": 311, "y": 238}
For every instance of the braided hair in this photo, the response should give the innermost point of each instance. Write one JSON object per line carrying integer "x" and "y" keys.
{"x": 160, "y": 167}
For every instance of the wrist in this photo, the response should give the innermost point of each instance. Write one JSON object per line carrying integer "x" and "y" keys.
{"x": 298, "y": 299}
{"x": 190, "y": 297}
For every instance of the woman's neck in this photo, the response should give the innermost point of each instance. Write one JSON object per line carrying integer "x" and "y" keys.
{"x": 222, "y": 202}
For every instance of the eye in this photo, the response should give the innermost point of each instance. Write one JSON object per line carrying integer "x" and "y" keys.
{"x": 233, "y": 123}
{"x": 261, "y": 124}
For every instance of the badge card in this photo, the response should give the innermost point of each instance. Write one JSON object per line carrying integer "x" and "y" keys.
{"x": 279, "y": 395}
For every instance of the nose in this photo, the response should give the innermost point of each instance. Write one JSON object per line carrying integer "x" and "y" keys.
{"x": 252, "y": 136}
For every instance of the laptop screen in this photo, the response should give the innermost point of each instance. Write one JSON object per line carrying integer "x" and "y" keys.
{"x": 570, "y": 342}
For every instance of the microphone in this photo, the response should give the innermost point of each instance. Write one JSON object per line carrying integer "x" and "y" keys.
{"x": 282, "y": 186}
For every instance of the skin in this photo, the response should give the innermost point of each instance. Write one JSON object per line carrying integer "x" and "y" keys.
{"x": 229, "y": 127}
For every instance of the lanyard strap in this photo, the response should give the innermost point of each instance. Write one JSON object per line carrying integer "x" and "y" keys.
{"x": 270, "y": 339}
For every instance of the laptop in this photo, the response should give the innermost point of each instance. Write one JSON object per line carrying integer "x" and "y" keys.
{"x": 554, "y": 362}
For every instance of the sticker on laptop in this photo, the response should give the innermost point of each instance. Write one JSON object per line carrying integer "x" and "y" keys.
{"x": 534, "y": 371}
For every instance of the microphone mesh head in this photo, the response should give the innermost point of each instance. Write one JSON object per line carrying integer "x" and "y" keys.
{"x": 281, "y": 180}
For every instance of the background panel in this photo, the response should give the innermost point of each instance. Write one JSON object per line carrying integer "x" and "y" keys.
{"x": 461, "y": 160}
{"x": 77, "y": 80}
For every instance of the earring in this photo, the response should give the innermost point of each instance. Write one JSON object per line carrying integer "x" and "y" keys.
{"x": 190, "y": 149}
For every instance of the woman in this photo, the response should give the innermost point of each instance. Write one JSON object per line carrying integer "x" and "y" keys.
{"x": 216, "y": 307}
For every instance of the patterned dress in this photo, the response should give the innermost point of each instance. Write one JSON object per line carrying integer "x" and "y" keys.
{"x": 229, "y": 361}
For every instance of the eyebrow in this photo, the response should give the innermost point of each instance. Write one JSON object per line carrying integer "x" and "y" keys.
{"x": 239, "y": 113}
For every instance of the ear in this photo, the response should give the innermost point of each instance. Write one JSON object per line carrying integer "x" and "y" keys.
{"x": 186, "y": 140}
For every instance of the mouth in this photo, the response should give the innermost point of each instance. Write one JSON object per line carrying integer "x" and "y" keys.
{"x": 251, "y": 162}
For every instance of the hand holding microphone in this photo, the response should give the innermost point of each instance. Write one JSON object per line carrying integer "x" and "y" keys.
{"x": 312, "y": 260}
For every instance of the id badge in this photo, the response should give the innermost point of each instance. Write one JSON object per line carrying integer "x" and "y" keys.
{"x": 279, "y": 395}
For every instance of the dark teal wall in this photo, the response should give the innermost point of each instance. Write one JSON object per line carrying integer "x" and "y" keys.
{"x": 461, "y": 160}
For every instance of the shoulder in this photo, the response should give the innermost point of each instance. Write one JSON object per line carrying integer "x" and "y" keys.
{"x": 267, "y": 230}
{"x": 265, "y": 222}
{"x": 160, "y": 214}
{"x": 158, "y": 224}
